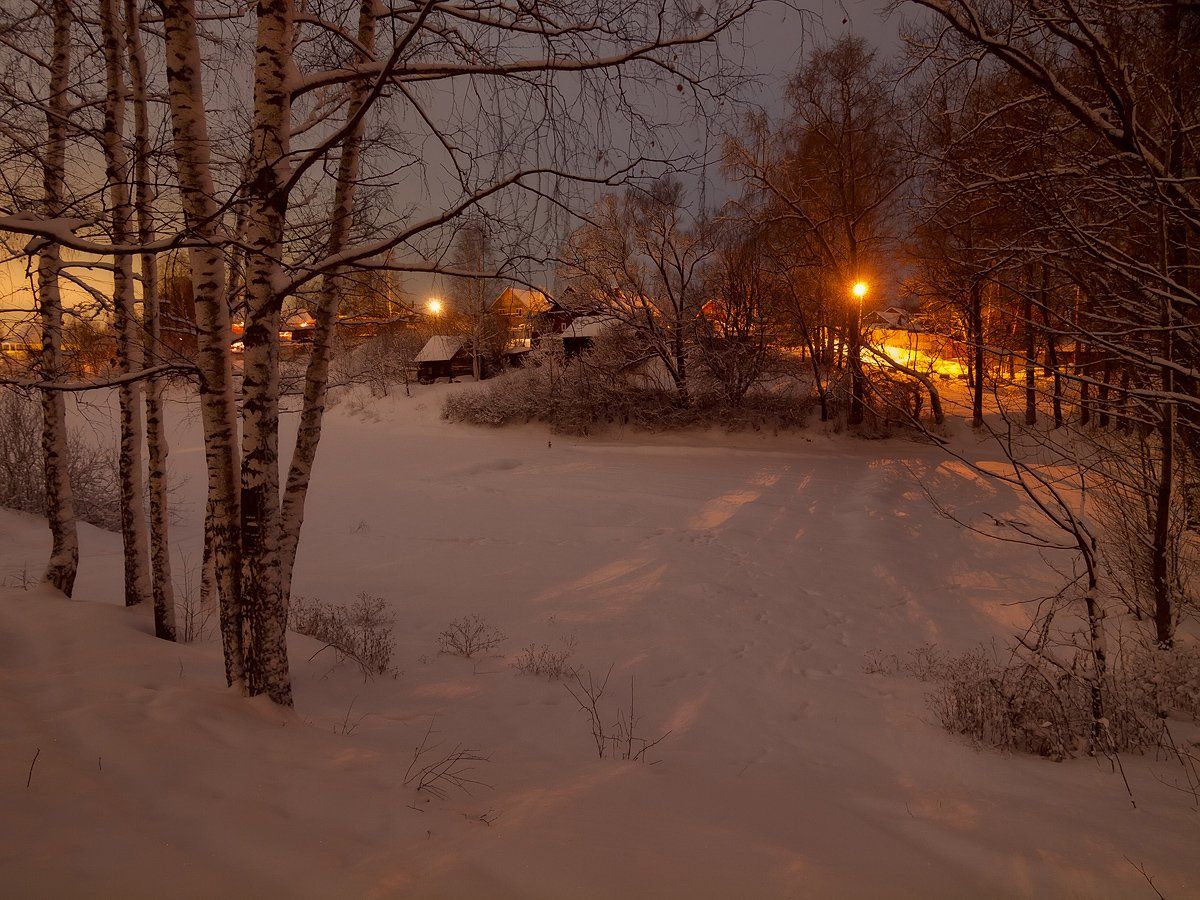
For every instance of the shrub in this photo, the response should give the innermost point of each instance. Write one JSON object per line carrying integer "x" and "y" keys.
{"x": 1028, "y": 704}
{"x": 578, "y": 396}
{"x": 361, "y": 631}
{"x": 469, "y": 636}
{"x": 547, "y": 662}
{"x": 95, "y": 485}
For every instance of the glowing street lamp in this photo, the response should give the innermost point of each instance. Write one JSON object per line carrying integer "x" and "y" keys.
{"x": 434, "y": 306}
{"x": 859, "y": 291}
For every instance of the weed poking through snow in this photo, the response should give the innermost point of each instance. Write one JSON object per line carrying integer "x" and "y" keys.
{"x": 361, "y": 631}
{"x": 469, "y": 637}
{"x": 619, "y": 740}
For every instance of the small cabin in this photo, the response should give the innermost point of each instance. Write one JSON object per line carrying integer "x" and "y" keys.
{"x": 443, "y": 357}
{"x": 299, "y": 327}
{"x": 581, "y": 334}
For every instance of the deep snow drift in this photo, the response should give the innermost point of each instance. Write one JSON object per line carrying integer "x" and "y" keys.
{"x": 738, "y": 580}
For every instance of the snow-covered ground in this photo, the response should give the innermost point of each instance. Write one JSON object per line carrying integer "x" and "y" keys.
{"x": 738, "y": 580}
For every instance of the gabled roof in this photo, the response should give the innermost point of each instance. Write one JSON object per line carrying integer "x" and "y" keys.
{"x": 588, "y": 326}
{"x": 299, "y": 319}
{"x": 896, "y": 318}
{"x": 440, "y": 348}
{"x": 520, "y": 300}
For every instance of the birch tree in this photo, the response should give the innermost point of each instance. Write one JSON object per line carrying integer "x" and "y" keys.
{"x": 257, "y": 528}
{"x": 64, "y": 554}
{"x": 129, "y": 338}
{"x": 156, "y": 433}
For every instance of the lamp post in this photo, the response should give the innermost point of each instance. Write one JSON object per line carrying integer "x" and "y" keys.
{"x": 435, "y": 308}
{"x": 858, "y": 292}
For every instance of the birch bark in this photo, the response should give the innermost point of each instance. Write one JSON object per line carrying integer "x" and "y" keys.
{"x": 60, "y": 512}
{"x": 218, "y": 408}
{"x": 129, "y": 347}
{"x": 265, "y": 610}
{"x": 156, "y": 435}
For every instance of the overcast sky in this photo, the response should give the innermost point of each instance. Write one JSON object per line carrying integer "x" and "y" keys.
{"x": 776, "y": 43}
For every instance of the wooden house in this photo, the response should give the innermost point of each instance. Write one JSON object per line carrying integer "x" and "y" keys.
{"x": 443, "y": 356}
{"x": 528, "y": 315}
{"x": 582, "y": 332}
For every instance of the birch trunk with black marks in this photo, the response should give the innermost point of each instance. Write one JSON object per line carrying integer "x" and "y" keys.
{"x": 316, "y": 378}
{"x": 156, "y": 434}
{"x": 218, "y": 409}
{"x": 129, "y": 339}
{"x": 264, "y": 606}
{"x": 60, "y": 512}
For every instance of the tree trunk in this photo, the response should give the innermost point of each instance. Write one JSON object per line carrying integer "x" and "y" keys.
{"x": 265, "y": 610}
{"x": 129, "y": 343}
{"x": 1098, "y": 643}
{"x": 854, "y": 360}
{"x": 1030, "y": 363}
{"x": 60, "y": 509}
{"x": 1055, "y": 370}
{"x": 679, "y": 350}
{"x": 976, "y": 326}
{"x": 218, "y": 409}
{"x": 156, "y": 436}
{"x": 316, "y": 378}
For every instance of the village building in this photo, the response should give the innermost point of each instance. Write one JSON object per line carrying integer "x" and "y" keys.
{"x": 581, "y": 333}
{"x": 900, "y": 334}
{"x": 443, "y": 356}
{"x": 527, "y": 315}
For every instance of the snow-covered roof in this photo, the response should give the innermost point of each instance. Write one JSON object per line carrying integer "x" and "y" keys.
{"x": 897, "y": 318}
{"x": 299, "y": 319}
{"x": 440, "y": 348}
{"x": 588, "y": 326}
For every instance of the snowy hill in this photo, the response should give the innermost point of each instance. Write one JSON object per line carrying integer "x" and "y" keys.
{"x": 738, "y": 581}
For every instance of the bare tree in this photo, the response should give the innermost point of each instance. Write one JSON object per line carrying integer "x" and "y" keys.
{"x": 640, "y": 261}
{"x": 472, "y": 295}
{"x": 830, "y": 177}
{"x": 738, "y": 326}
{"x": 1100, "y": 221}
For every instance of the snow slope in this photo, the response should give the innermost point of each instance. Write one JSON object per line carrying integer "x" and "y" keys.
{"x": 738, "y": 580}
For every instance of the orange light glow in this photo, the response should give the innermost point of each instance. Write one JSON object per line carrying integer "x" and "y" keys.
{"x": 434, "y": 306}
{"x": 859, "y": 290}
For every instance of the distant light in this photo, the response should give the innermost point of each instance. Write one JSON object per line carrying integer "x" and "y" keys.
{"x": 859, "y": 290}
{"x": 435, "y": 306}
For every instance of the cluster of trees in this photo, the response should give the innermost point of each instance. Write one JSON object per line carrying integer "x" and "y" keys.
{"x": 1033, "y": 180}
{"x": 1060, "y": 207}
{"x": 824, "y": 204}
{"x": 130, "y": 137}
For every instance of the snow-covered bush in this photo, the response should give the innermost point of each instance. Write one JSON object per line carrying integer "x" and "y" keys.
{"x": 382, "y": 362}
{"x": 1027, "y": 704}
{"x": 469, "y": 636}
{"x": 586, "y": 394}
{"x": 1165, "y": 681}
{"x": 362, "y": 631}
{"x": 92, "y": 469}
{"x": 548, "y": 662}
